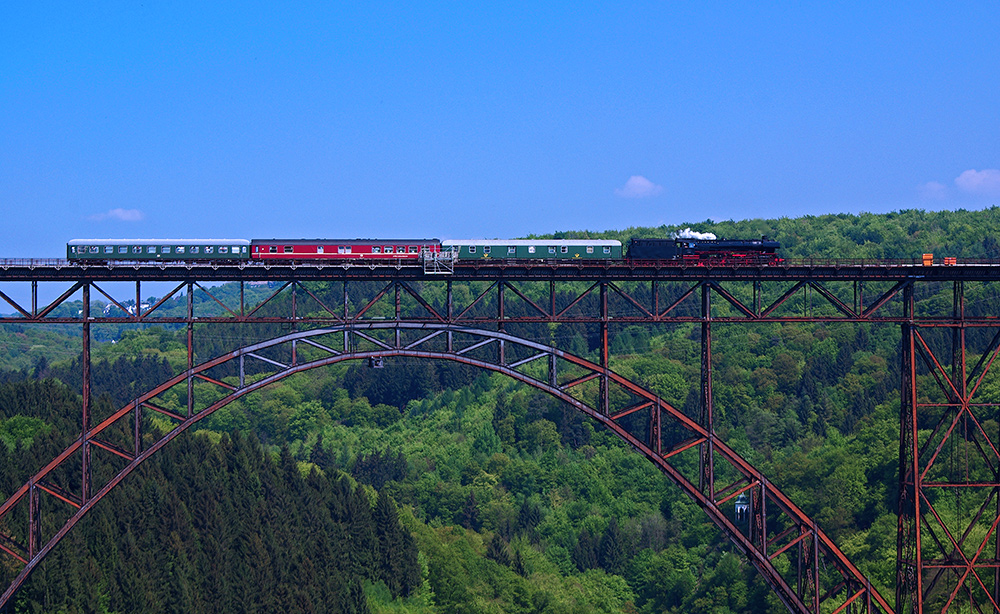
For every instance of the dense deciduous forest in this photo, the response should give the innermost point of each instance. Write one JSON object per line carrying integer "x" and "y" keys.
{"x": 431, "y": 487}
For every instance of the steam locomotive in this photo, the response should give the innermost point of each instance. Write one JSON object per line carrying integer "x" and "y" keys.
{"x": 706, "y": 251}
{"x": 685, "y": 247}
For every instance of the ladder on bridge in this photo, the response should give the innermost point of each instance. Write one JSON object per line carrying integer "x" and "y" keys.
{"x": 440, "y": 263}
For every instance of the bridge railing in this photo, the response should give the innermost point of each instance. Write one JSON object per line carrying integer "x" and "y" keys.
{"x": 445, "y": 262}
{"x": 888, "y": 262}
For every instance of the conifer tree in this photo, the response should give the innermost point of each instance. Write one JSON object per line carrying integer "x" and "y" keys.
{"x": 469, "y": 517}
{"x": 498, "y": 550}
{"x": 612, "y": 555}
{"x": 585, "y": 551}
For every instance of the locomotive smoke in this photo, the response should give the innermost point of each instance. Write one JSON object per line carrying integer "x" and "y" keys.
{"x": 687, "y": 233}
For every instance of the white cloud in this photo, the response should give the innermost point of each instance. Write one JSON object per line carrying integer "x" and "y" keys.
{"x": 638, "y": 186}
{"x": 986, "y": 181}
{"x": 121, "y": 215}
{"x": 932, "y": 190}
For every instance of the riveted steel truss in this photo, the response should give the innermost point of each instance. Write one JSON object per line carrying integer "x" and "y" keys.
{"x": 949, "y": 552}
{"x": 502, "y": 318}
{"x": 813, "y": 573}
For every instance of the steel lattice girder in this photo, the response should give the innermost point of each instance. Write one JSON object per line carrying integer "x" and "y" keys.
{"x": 760, "y": 300}
{"x": 949, "y": 551}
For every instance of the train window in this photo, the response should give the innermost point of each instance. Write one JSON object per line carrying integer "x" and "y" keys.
{"x": 288, "y": 249}
{"x": 607, "y": 249}
{"x": 272, "y": 249}
{"x": 590, "y": 249}
{"x": 180, "y": 249}
{"x": 552, "y": 249}
{"x": 414, "y": 249}
{"x": 208, "y": 249}
{"x": 108, "y": 249}
{"x": 344, "y": 249}
{"x": 319, "y": 249}
{"x": 223, "y": 249}
{"x": 151, "y": 249}
{"x": 195, "y": 249}
{"x": 387, "y": 249}
{"x": 166, "y": 250}
{"x": 472, "y": 249}
{"x": 136, "y": 249}
{"x": 564, "y": 249}
{"x": 376, "y": 249}
{"x": 244, "y": 250}
{"x": 486, "y": 249}
{"x": 511, "y": 250}
{"x": 531, "y": 249}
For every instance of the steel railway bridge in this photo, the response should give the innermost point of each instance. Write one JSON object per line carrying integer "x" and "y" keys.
{"x": 498, "y": 316}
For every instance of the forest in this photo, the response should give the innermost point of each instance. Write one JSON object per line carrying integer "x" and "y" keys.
{"x": 430, "y": 487}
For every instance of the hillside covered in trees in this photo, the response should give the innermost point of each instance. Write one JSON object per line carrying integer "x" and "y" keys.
{"x": 430, "y": 487}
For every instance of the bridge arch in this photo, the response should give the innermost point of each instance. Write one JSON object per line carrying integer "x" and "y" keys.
{"x": 813, "y": 576}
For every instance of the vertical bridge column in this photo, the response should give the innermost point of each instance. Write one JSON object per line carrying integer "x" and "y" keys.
{"x": 605, "y": 402}
{"x": 85, "y": 375}
{"x": 707, "y": 475}
{"x": 908, "y": 567}
{"x": 190, "y": 348}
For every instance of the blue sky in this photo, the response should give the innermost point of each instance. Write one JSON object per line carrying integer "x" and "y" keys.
{"x": 467, "y": 120}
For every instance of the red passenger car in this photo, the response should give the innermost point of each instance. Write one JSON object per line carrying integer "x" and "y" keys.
{"x": 341, "y": 249}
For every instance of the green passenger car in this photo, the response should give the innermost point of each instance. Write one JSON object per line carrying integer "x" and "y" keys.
{"x": 103, "y": 250}
{"x": 535, "y": 249}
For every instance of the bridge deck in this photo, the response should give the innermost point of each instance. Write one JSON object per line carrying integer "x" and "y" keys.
{"x": 539, "y": 270}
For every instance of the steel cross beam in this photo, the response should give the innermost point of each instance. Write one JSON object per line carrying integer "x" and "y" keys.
{"x": 819, "y": 578}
